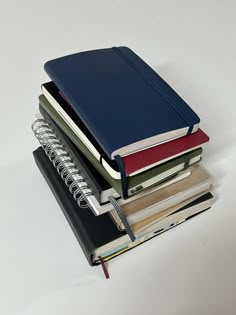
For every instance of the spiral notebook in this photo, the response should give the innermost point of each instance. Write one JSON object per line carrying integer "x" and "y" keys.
{"x": 97, "y": 235}
{"x": 135, "y": 184}
{"x": 76, "y": 183}
{"x": 74, "y": 180}
{"x": 95, "y": 179}
{"x": 72, "y": 175}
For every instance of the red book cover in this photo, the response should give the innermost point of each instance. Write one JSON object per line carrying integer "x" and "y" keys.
{"x": 161, "y": 153}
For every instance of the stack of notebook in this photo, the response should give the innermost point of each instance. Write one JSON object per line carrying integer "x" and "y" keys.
{"x": 120, "y": 150}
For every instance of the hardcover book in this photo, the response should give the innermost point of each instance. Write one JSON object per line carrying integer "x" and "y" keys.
{"x": 72, "y": 174}
{"x": 198, "y": 182}
{"x": 133, "y": 163}
{"x": 135, "y": 184}
{"x": 107, "y": 88}
{"x": 98, "y": 236}
{"x": 149, "y": 221}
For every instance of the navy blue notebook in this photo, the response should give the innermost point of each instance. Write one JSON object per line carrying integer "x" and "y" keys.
{"x": 123, "y": 102}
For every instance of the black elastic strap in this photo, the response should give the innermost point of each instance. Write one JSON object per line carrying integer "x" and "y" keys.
{"x": 186, "y": 164}
{"x": 101, "y": 157}
{"x": 161, "y": 91}
{"x": 121, "y": 166}
{"x": 190, "y": 129}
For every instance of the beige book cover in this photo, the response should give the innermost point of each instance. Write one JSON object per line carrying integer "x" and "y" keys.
{"x": 198, "y": 176}
{"x": 143, "y": 224}
{"x": 167, "y": 197}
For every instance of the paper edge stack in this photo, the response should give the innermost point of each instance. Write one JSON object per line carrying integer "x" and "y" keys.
{"x": 178, "y": 187}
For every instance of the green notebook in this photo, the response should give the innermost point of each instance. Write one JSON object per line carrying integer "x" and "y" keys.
{"x": 137, "y": 183}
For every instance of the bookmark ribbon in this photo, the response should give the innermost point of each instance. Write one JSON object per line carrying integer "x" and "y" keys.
{"x": 122, "y": 217}
{"x": 190, "y": 129}
{"x": 104, "y": 268}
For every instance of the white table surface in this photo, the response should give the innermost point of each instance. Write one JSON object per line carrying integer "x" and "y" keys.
{"x": 189, "y": 270}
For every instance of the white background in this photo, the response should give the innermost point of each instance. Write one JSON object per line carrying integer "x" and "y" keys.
{"x": 189, "y": 270}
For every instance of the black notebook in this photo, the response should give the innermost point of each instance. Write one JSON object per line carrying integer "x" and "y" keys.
{"x": 97, "y": 233}
{"x": 91, "y": 231}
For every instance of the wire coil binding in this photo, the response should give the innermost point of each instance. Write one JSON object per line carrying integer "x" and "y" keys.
{"x": 62, "y": 162}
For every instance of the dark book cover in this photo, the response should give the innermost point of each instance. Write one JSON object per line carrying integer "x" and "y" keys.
{"x": 53, "y": 118}
{"x": 53, "y": 90}
{"x": 91, "y": 231}
{"x": 109, "y": 88}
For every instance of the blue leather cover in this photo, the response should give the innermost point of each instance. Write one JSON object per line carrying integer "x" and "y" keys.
{"x": 118, "y": 96}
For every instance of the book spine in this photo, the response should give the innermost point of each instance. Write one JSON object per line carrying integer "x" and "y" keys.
{"x": 64, "y": 200}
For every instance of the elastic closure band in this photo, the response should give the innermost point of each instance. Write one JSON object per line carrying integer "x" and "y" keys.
{"x": 123, "y": 176}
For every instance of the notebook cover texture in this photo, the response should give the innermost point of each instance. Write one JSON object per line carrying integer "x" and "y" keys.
{"x": 164, "y": 151}
{"x": 96, "y": 182}
{"x": 107, "y": 87}
{"x": 56, "y": 122}
{"x": 140, "y": 159}
{"x": 91, "y": 231}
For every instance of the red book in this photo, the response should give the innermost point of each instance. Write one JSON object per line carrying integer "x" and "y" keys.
{"x": 143, "y": 160}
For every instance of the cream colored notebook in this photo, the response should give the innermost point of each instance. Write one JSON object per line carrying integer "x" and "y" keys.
{"x": 198, "y": 182}
{"x": 143, "y": 224}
